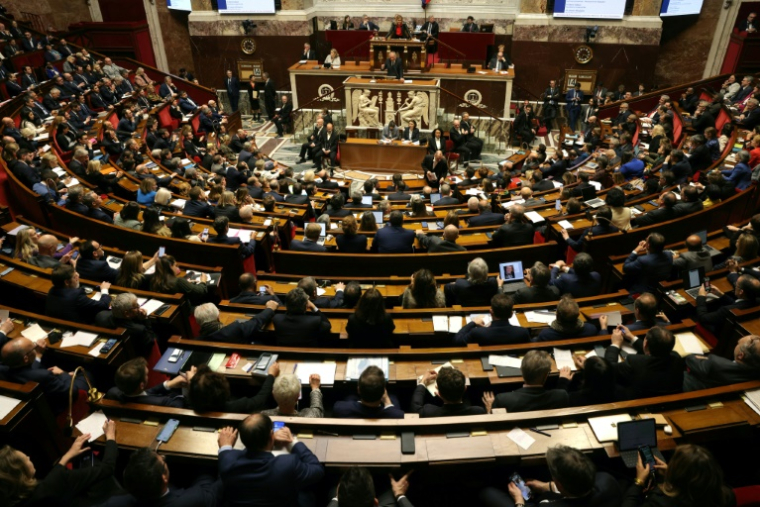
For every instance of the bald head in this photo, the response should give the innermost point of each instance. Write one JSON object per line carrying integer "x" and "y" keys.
{"x": 516, "y": 213}
{"x": 17, "y": 353}
{"x": 256, "y": 433}
{"x": 526, "y": 193}
{"x": 473, "y": 204}
{"x": 47, "y": 244}
{"x": 451, "y": 233}
{"x": 694, "y": 243}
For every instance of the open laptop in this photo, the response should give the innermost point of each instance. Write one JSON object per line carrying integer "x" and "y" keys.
{"x": 378, "y": 218}
{"x": 323, "y": 234}
{"x": 434, "y": 198}
{"x": 588, "y": 193}
{"x": 367, "y": 199}
{"x": 693, "y": 280}
{"x": 595, "y": 202}
{"x": 512, "y": 274}
{"x": 632, "y": 435}
{"x": 714, "y": 252}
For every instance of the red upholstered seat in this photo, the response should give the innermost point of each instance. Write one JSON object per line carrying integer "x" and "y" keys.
{"x": 748, "y": 496}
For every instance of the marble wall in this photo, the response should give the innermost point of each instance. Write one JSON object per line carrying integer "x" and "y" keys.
{"x": 56, "y": 13}
{"x": 175, "y": 37}
{"x": 685, "y": 45}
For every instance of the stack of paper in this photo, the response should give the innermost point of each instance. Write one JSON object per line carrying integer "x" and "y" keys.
{"x": 751, "y": 398}
{"x": 93, "y": 425}
{"x": 605, "y": 428}
{"x": 534, "y": 217}
{"x": 80, "y": 339}
{"x": 432, "y": 388}
{"x": 178, "y": 203}
{"x": 326, "y": 372}
{"x": 71, "y": 182}
{"x": 16, "y": 230}
{"x": 512, "y": 362}
{"x": 485, "y": 316}
{"x": 356, "y": 365}
{"x": 564, "y": 358}
{"x": 243, "y": 234}
{"x": 151, "y": 305}
{"x": 7, "y": 405}
{"x": 539, "y": 317}
{"x": 688, "y": 343}
{"x": 34, "y": 333}
{"x": 565, "y": 224}
{"x": 440, "y": 323}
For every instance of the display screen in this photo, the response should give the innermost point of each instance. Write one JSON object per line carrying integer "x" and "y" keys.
{"x": 590, "y": 9}
{"x": 680, "y": 7}
{"x": 179, "y": 5}
{"x": 246, "y": 6}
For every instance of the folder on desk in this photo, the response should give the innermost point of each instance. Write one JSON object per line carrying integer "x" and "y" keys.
{"x": 605, "y": 428}
{"x": 164, "y": 366}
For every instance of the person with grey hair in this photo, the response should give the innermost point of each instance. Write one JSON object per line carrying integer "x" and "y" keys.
{"x": 78, "y": 163}
{"x": 309, "y": 286}
{"x": 126, "y": 313}
{"x": 287, "y": 391}
{"x": 740, "y": 175}
{"x": 537, "y": 289}
{"x": 705, "y": 372}
{"x": 574, "y": 481}
{"x": 475, "y": 290}
{"x": 568, "y": 324}
{"x": 356, "y": 201}
{"x": 240, "y": 331}
{"x": 303, "y": 325}
{"x": 435, "y": 244}
{"x": 485, "y": 217}
{"x": 535, "y": 368}
{"x": 310, "y": 241}
{"x": 446, "y": 197}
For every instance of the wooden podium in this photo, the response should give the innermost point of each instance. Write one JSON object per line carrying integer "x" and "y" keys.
{"x": 742, "y": 54}
{"x": 411, "y": 52}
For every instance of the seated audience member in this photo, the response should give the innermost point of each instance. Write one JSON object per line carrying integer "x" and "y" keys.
{"x": 373, "y": 402}
{"x": 131, "y": 381}
{"x": 93, "y": 201}
{"x": 734, "y": 233}
{"x": 648, "y": 264}
{"x": 287, "y": 392}
{"x": 302, "y": 325}
{"x": 349, "y": 241}
{"x": 423, "y": 292}
{"x": 593, "y": 384}
{"x": 655, "y": 371}
{"x": 568, "y": 324}
{"x": 516, "y": 231}
{"x": 393, "y": 238}
{"x": 20, "y": 355}
{"x": 696, "y": 256}
{"x": 222, "y": 228}
{"x": 126, "y": 313}
{"x": 666, "y": 211}
{"x": 746, "y": 292}
{"x": 68, "y": 301}
{"x": 602, "y": 225}
{"x": 146, "y": 194}
{"x": 535, "y": 368}
{"x": 128, "y": 217}
{"x": 309, "y": 286}
{"x": 574, "y": 482}
{"x": 475, "y": 290}
{"x": 210, "y": 392}
{"x": 693, "y": 477}
{"x": 132, "y": 271}
{"x": 92, "y": 265}
{"x": 249, "y": 295}
{"x": 197, "y": 205}
{"x": 646, "y": 313}
{"x": 357, "y": 489}
{"x": 485, "y": 216}
{"x": 740, "y": 176}
{"x": 336, "y": 206}
{"x": 63, "y": 485}
{"x": 445, "y": 243}
{"x": 146, "y": 479}
{"x": 621, "y": 215}
{"x": 499, "y": 331}
{"x": 538, "y": 289}
{"x": 747, "y": 246}
{"x": 705, "y": 372}
{"x": 370, "y": 327}
{"x": 47, "y": 244}
{"x": 690, "y": 202}
{"x": 310, "y": 242}
{"x": 450, "y": 385}
{"x": 166, "y": 280}
{"x": 580, "y": 281}
{"x": 254, "y": 476}
{"x": 212, "y": 329}
{"x": 632, "y": 167}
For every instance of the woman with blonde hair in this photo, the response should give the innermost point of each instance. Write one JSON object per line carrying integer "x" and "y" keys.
{"x": 350, "y": 241}
{"x": 146, "y": 194}
{"x": 227, "y": 207}
{"x": 26, "y": 245}
{"x": 142, "y": 79}
{"x": 333, "y": 58}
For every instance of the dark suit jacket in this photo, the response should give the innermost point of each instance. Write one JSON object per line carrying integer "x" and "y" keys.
{"x": 96, "y": 270}
{"x": 717, "y": 318}
{"x": 351, "y": 244}
{"x": 548, "y": 334}
{"x": 310, "y": 55}
{"x": 526, "y": 399}
{"x": 647, "y": 270}
{"x": 241, "y": 332}
{"x": 687, "y": 208}
{"x": 429, "y": 410}
{"x": 298, "y": 245}
{"x": 394, "y": 69}
{"x": 391, "y": 239}
{"x": 262, "y": 479}
{"x": 569, "y": 283}
{"x": 200, "y": 209}
{"x": 505, "y": 63}
{"x": 357, "y": 410}
{"x": 232, "y": 84}
{"x": 464, "y": 292}
{"x": 204, "y": 492}
{"x": 363, "y": 335}
{"x": 157, "y": 395}
{"x": 486, "y": 218}
{"x": 500, "y": 332}
{"x": 74, "y": 305}
{"x": 513, "y": 234}
{"x": 436, "y": 244}
{"x": 536, "y": 295}
{"x": 165, "y": 90}
{"x": 254, "y": 298}
{"x": 332, "y": 144}
{"x": 655, "y": 216}
{"x": 306, "y": 330}
{"x": 643, "y": 375}
{"x": 415, "y": 135}
{"x": 715, "y": 371}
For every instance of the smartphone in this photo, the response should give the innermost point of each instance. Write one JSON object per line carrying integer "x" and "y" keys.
{"x": 520, "y": 483}
{"x": 205, "y": 232}
{"x": 424, "y": 225}
{"x": 558, "y": 205}
{"x": 647, "y": 457}
{"x": 708, "y": 287}
{"x": 105, "y": 349}
{"x": 175, "y": 356}
{"x": 262, "y": 290}
{"x": 278, "y": 425}
{"x": 75, "y": 254}
{"x": 161, "y": 251}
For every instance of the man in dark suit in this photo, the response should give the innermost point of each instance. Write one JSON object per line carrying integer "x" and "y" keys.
{"x": 485, "y": 215}
{"x": 689, "y": 100}
{"x": 146, "y": 479}
{"x": 750, "y": 117}
{"x": 20, "y": 355}
{"x": 357, "y": 488}
{"x": 551, "y": 102}
{"x": 308, "y": 53}
{"x": 664, "y": 213}
{"x": 126, "y": 313}
{"x": 67, "y": 301}
{"x": 28, "y": 79}
{"x": 366, "y": 24}
{"x": 696, "y": 256}
{"x": 92, "y": 264}
{"x": 746, "y": 292}
{"x": 270, "y": 95}
{"x": 328, "y": 147}
{"x": 749, "y": 25}
{"x": 567, "y": 324}
{"x": 310, "y": 242}
{"x": 282, "y": 116}
{"x": 303, "y": 325}
{"x": 249, "y": 295}
{"x": 538, "y": 290}
{"x": 197, "y": 206}
{"x": 580, "y": 281}
{"x": 470, "y": 25}
{"x": 656, "y": 370}
{"x": 373, "y": 402}
{"x": 131, "y": 381}
{"x": 574, "y": 483}
{"x": 232, "y": 85}
{"x": 309, "y": 285}
{"x": 705, "y": 372}
{"x": 429, "y": 34}
{"x": 12, "y": 49}
{"x": 500, "y": 61}
{"x": 14, "y": 90}
{"x": 436, "y": 168}
{"x": 393, "y": 238}
{"x": 309, "y": 148}
{"x": 690, "y": 202}
{"x": 222, "y": 227}
{"x": 459, "y": 138}
{"x": 446, "y": 198}
{"x": 168, "y": 89}
{"x": 393, "y": 66}
{"x": 126, "y": 126}
{"x": 435, "y": 244}
{"x": 648, "y": 264}
{"x": 539, "y": 184}
{"x": 517, "y": 230}
{"x": 475, "y": 290}
{"x": 256, "y": 476}
{"x": 499, "y": 332}
{"x": 240, "y": 331}
{"x": 535, "y": 368}
{"x": 574, "y": 99}
{"x": 186, "y": 104}
{"x": 450, "y": 386}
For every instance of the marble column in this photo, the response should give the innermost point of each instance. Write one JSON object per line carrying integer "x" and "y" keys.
{"x": 646, "y": 8}
{"x": 156, "y": 37}
{"x": 532, "y": 6}
{"x": 94, "y": 6}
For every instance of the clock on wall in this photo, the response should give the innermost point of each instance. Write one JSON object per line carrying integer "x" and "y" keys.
{"x": 583, "y": 54}
{"x": 248, "y": 46}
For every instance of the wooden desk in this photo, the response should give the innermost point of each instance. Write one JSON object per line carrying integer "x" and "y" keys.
{"x": 473, "y": 45}
{"x": 373, "y": 156}
{"x": 411, "y": 52}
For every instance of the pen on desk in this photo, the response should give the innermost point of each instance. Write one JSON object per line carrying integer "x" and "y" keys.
{"x": 534, "y": 430}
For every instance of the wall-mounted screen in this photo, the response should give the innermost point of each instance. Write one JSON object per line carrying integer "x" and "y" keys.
{"x": 246, "y": 6}
{"x": 179, "y": 5}
{"x": 680, "y": 7}
{"x": 589, "y": 9}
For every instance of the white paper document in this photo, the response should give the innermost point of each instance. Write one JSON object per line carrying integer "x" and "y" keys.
{"x": 356, "y": 365}
{"x": 93, "y": 425}
{"x": 7, "y": 405}
{"x": 326, "y": 372}
{"x": 690, "y": 343}
{"x": 534, "y": 217}
{"x": 539, "y": 317}
{"x": 512, "y": 362}
{"x": 605, "y": 428}
{"x": 151, "y": 305}
{"x": 34, "y": 333}
{"x": 85, "y": 339}
{"x": 485, "y": 316}
{"x": 440, "y": 323}
{"x": 565, "y": 224}
{"x": 455, "y": 323}
{"x": 521, "y": 438}
{"x": 564, "y": 358}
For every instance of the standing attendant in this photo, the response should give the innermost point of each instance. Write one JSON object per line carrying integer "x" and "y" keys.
{"x": 551, "y": 100}
{"x": 574, "y": 99}
{"x": 233, "y": 90}
{"x": 270, "y": 95}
